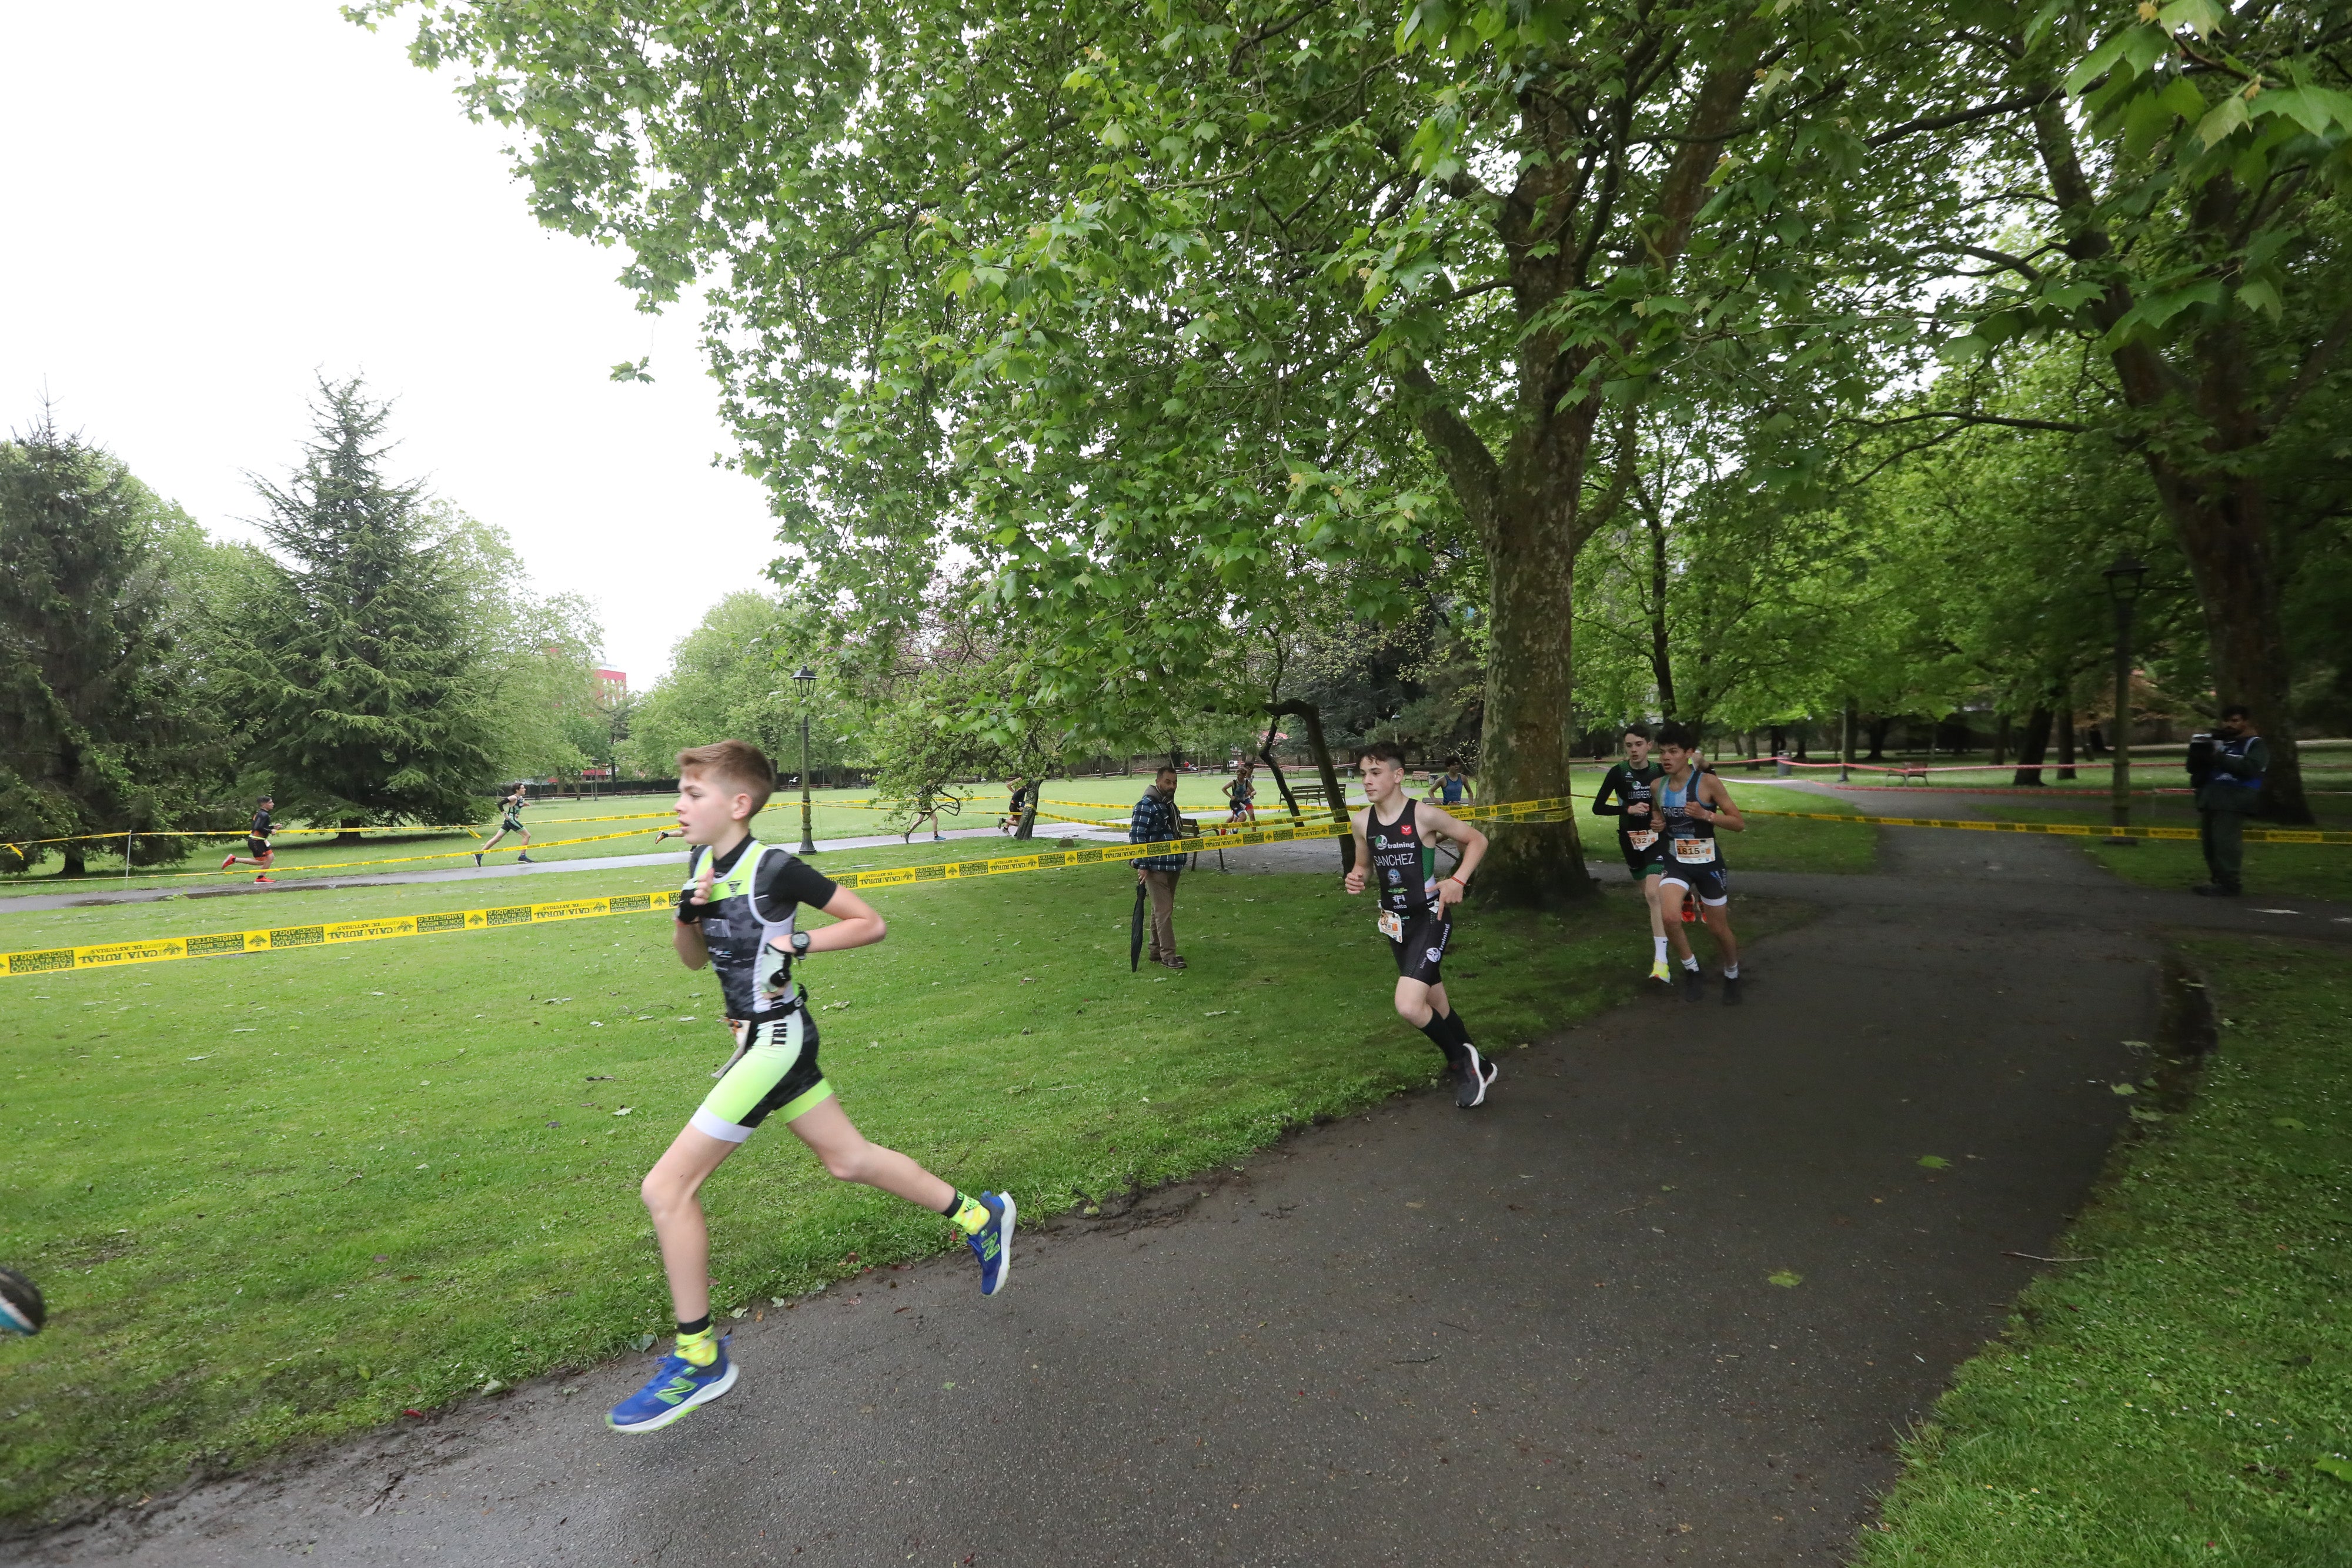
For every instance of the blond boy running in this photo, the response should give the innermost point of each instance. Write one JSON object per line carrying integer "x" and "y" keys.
{"x": 738, "y": 913}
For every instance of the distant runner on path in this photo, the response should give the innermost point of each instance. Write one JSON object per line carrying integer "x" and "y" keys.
{"x": 1694, "y": 805}
{"x": 1392, "y": 843}
{"x": 1453, "y": 789}
{"x": 257, "y": 841}
{"x": 511, "y": 821}
{"x": 1625, "y": 793}
{"x": 736, "y": 913}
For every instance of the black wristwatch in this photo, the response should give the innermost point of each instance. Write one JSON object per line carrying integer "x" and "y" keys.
{"x": 799, "y": 943}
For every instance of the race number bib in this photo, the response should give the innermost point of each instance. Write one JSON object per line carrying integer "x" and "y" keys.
{"x": 1694, "y": 852}
{"x": 1641, "y": 838}
{"x": 1392, "y": 925}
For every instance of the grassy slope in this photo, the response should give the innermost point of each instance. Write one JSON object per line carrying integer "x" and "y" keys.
{"x": 2166, "y": 1402}
{"x": 288, "y": 1194}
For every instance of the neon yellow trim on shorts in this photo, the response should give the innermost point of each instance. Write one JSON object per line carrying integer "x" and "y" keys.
{"x": 800, "y": 1104}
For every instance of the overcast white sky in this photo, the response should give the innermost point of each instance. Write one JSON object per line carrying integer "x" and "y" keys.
{"x": 208, "y": 204}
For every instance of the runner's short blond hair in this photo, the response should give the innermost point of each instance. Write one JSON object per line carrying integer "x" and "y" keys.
{"x": 737, "y": 764}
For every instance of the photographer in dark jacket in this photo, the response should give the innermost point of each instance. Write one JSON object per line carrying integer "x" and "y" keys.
{"x": 2228, "y": 771}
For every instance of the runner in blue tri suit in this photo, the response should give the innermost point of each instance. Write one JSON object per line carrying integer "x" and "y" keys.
{"x": 1393, "y": 835}
{"x": 1453, "y": 789}
{"x": 1691, "y": 806}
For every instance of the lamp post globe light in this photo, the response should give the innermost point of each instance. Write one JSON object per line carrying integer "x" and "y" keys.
{"x": 2123, "y": 588}
{"x": 805, "y": 679}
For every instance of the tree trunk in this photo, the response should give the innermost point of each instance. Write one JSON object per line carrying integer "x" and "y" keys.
{"x": 2217, "y": 509}
{"x": 2065, "y": 744}
{"x": 1802, "y": 731}
{"x": 2000, "y": 734}
{"x": 350, "y": 833}
{"x": 1265, "y": 755}
{"x": 1878, "y": 729}
{"x": 1332, "y": 792}
{"x": 73, "y": 862}
{"x": 2033, "y": 746}
{"x": 1028, "y": 828}
{"x": 1661, "y": 665}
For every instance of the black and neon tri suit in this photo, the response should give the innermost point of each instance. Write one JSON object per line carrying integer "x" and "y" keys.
{"x": 1691, "y": 853}
{"x": 256, "y": 838}
{"x": 1637, "y": 837}
{"x": 747, "y": 924}
{"x": 512, "y": 821}
{"x": 1403, "y": 869}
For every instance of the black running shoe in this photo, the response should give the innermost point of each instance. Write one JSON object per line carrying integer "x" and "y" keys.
{"x": 1475, "y": 1076}
{"x": 1731, "y": 997}
{"x": 1694, "y": 986}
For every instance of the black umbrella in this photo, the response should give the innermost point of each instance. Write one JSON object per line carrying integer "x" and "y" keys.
{"x": 1135, "y": 931}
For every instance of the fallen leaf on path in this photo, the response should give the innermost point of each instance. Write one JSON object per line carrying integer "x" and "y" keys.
{"x": 1788, "y": 1278}
{"x": 1934, "y": 1162}
{"x": 2124, "y": 1088}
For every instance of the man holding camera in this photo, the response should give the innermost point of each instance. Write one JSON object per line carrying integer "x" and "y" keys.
{"x": 2227, "y": 770}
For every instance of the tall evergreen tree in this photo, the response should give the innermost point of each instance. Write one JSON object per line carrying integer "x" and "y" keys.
{"x": 94, "y": 737}
{"x": 349, "y": 658}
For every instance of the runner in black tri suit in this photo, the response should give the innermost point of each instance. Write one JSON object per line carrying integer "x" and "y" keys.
{"x": 1394, "y": 836}
{"x": 1693, "y": 806}
{"x": 257, "y": 841}
{"x": 1626, "y": 794}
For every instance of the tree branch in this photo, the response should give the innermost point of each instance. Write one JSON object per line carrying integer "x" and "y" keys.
{"x": 1469, "y": 466}
{"x": 2315, "y": 366}
{"x": 1966, "y": 116}
{"x": 2065, "y": 426}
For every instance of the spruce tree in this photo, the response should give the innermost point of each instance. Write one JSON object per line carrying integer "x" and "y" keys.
{"x": 95, "y": 737}
{"x": 350, "y": 660}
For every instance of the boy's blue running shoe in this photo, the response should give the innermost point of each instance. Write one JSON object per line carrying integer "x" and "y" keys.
{"x": 992, "y": 1242}
{"x": 676, "y": 1386}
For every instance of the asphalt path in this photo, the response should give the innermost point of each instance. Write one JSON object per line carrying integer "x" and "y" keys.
{"x": 1545, "y": 1332}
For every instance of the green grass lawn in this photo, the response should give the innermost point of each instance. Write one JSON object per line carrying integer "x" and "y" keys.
{"x": 2186, "y": 1394}
{"x": 293, "y": 1194}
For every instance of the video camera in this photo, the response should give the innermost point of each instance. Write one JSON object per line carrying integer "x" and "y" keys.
{"x": 2201, "y": 760}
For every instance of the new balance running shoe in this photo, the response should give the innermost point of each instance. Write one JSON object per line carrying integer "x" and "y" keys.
{"x": 676, "y": 1386}
{"x": 228, "y": 862}
{"x": 1731, "y": 997}
{"x": 1475, "y": 1076}
{"x": 478, "y": 859}
{"x": 992, "y": 1242}
{"x": 1660, "y": 971}
{"x": 266, "y": 877}
{"x": 1694, "y": 986}
{"x": 525, "y": 860}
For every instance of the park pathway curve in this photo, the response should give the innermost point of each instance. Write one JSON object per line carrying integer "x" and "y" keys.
{"x": 1670, "y": 1299}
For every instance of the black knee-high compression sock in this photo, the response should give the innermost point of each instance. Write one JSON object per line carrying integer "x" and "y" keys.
{"x": 1440, "y": 1030}
{"x": 1455, "y": 1027}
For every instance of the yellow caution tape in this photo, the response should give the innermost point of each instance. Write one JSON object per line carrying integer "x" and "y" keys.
{"x": 112, "y": 955}
{"x": 2067, "y": 830}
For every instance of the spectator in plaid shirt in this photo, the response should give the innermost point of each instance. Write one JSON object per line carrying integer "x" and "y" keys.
{"x": 1155, "y": 821}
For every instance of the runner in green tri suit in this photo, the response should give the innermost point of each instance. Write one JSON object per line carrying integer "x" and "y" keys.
{"x": 1626, "y": 794}
{"x": 511, "y": 821}
{"x": 738, "y": 913}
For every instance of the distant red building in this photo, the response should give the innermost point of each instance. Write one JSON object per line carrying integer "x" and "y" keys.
{"x": 611, "y": 685}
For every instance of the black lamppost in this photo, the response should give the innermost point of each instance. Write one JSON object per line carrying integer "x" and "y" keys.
{"x": 805, "y": 679}
{"x": 2123, "y": 587}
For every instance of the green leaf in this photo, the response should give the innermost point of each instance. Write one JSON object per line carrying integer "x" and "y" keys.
{"x": 2289, "y": 1123}
{"x": 2199, "y": 16}
{"x": 1965, "y": 351}
{"x": 2262, "y": 296}
{"x": 1787, "y": 1279}
{"x": 2306, "y": 106}
{"x": 2124, "y": 1088}
{"x": 2223, "y": 118}
{"x": 2182, "y": 97}
{"x": 2329, "y": 1465}
{"x": 2095, "y": 64}
{"x": 1934, "y": 1162}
